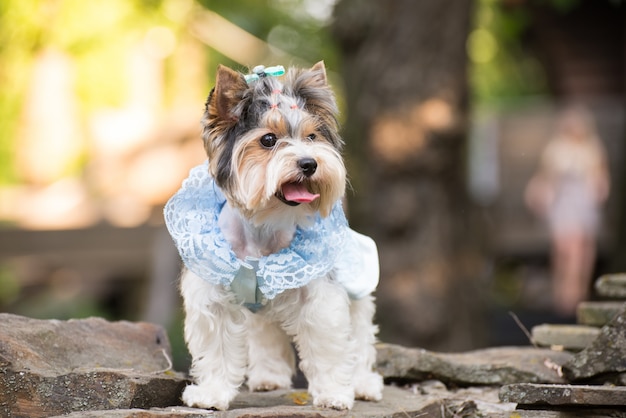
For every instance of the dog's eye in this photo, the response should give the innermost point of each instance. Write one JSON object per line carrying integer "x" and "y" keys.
{"x": 268, "y": 140}
{"x": 311, "y": 137}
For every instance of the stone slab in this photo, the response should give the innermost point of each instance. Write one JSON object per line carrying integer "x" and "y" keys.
{"x": 431, "y": 399}
{"x": 605, "y": 356}
{"x": 426, "y": 399}
{"x": 569, "y": 337}
{"x": 50, "y": 367}
{"x": 573, "y": 395}
{"x": 492, "y": 366}
{"x": 171, "y": 412}
{"x": 598, "y": 314}
{"x": 611, "y": 286}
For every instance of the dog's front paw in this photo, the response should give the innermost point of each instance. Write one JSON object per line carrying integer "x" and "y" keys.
{"x": 208, "y": 397}
{"x": 334, "y": 400}
{"x": 369, "y": 387}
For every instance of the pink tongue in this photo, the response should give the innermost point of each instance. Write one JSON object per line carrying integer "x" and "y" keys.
{"x": 296, "y": 192}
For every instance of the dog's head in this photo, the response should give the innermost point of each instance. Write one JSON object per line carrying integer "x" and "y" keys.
{"x": 273, "y": 144}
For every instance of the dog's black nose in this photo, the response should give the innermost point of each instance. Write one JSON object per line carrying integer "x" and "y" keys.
{"x": 308, "y": 166}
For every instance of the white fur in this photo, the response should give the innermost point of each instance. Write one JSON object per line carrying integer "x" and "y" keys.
{"x": 334, "y": 335}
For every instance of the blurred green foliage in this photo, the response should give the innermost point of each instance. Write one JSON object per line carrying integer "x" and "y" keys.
{"x": 297, "y": 27}
{"x": 92, "y": 32}
{"x": 501, "y": 67}
{"x": 97, "y": 34}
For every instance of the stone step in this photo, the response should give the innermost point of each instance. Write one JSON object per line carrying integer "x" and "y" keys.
{"x": 418, "y": 401}
{"x": 563, "y": 395}
{"x": 569, "y": 337}
{"x": 605, "y": 356}
{"x": 490, "y": 366}
{"x": 598, "y": 314}
{"x": 611, "y": 286}
{"x": 55, "y": 367}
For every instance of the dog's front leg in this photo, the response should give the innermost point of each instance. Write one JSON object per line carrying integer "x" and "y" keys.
{"x": 368, "y": 384}
{"x": 272, "y": 361}
{"x": 215, "y": 332}
{"x": 323, "y": 339}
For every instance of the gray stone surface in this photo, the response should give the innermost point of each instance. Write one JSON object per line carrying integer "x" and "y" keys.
{"x": 570, "y": 337}
{"x": 93, "y": 368}
{"x": 171, "y": 412}
{"x": 430, "y": 399}
{"x": 605, "y": 356}
{"x": 533, "y": 394}
{"x": 57, "y": 367}
{"x": 427, "y": 399}
{"x": 492, "y": 366}
{"x": 611, "y": 286}
{"x": 597, "y": 314}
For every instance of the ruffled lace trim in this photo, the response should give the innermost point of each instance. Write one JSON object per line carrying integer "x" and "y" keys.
{"x": 191, "y": 216}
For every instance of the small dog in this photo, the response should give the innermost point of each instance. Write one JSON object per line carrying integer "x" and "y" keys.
{"x": 269, "y": 256}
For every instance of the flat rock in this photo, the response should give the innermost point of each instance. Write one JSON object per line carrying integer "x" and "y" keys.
{"x": 569, "y": 337}
{"x": 605, "y": 356}
{"x": 430, "y": 399}
{"x": 589, "y": 396}
{"x": 597, "y": 314}
{"x": 170, "y": 412}
{"x": 492, "y": 366}
{"x": 611, "y": 286}
{"x": 51, "y": 367}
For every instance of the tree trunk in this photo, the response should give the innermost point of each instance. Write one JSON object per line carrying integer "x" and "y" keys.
{"x": 404, "y": 67}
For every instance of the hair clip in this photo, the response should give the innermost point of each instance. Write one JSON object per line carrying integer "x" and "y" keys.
{"x": 260, "y": 71}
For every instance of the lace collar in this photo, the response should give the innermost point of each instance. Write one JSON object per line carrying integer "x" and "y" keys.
{"x": 191, "y": 216}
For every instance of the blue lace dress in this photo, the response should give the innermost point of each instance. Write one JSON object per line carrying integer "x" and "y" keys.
{"x": 328, "y": 247}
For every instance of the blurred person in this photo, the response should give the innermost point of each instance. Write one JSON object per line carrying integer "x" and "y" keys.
{"x": 568, "y": 192}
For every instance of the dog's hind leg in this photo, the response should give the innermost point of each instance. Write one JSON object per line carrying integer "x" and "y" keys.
{"x": 215, "y": 331}
{"x": 368, "y": 385}
{"x": 321, "y": 328}
{"x": 271, "y": 357}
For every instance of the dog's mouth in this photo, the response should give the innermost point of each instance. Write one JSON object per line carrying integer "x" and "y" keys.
{"x": 295, "y": 193}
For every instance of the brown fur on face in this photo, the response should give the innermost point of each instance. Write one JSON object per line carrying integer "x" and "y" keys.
{"x": 300, "y": 110}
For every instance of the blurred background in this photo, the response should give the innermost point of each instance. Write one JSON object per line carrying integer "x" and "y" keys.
{"x": 447, "y": 106}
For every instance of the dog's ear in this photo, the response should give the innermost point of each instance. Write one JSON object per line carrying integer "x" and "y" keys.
{"x": 309, "y": 83}
{"x": 227, "y": 93}
{"x": 319, "y": 73}
{"x": 312, "y": 86}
